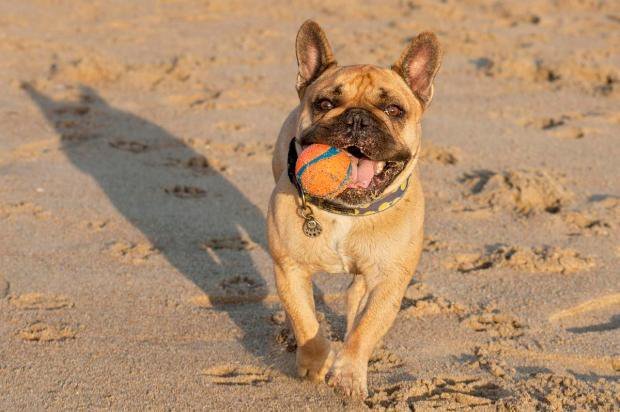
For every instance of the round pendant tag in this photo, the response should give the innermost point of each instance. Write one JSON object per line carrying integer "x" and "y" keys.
{"x": 312, "y": 228}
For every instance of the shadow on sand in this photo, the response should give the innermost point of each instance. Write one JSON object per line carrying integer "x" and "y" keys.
{"x": 134, "y": 161}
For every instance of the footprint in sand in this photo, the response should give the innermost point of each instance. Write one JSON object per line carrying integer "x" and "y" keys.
{"x": 284, "y": 335}
{"x": 432, "y": 244}
{"x": 438, "y": 154}
{"x": 70, "y": 125}
{"x": 535, "y": 259}
{"x": 429, "y": 305}
{"x": 529, "y": 70}
{"x": 231, "y": 127}
{"x": 382, "y": 360}
{"x": 587, "y": 223}
{"x": 278, "y": 318}
{"x": 40, "y": 301}
{"x": 237, "y": 243}
{"x": 240, "y": 285}
{"x": 90, "y": 69}
{"x": 74, "y": 110}
{"x": 236, "y": 289}
{"x": 549, "y": 123}
{"x": 221, "y": 244}
{"x": 9, "y": 210}
{"x": 186, "y": 192}
{"x": 77, "y": 136}
{"x": 570, "y": 133}
{"x": 44, "y": 332}
{"x": 598, "y": 218}
{"x": 198, "y": 164}
{"x": 129, "y": 145}
{"x": 96, "y": 225}
{"x": 286, "y": 338}
{"x": 136, "y": 253}
{"x": 229, "y": 374}
{"x": 255, "y": 148}
{"x": 496, "y": 323}
{"x": 559, "y": 126}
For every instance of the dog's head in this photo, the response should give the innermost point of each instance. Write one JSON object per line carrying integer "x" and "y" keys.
{"x": 371, "y": 112}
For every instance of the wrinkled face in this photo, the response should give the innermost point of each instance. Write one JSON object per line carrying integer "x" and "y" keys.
{"x": 372, "y": 114}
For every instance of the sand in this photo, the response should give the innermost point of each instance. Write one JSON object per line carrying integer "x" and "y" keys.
{"x": 135, "y": 174}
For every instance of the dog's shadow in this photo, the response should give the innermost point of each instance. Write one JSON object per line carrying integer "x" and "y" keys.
{"x": 144, "y": 170}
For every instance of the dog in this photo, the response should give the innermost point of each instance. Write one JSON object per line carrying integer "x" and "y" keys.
{"x": 374, "y": 229}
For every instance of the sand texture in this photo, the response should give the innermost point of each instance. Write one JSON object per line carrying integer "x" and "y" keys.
{"x": 135, "y": 147}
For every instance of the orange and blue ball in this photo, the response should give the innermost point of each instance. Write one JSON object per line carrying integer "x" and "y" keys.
{"x": 323, "y": 171}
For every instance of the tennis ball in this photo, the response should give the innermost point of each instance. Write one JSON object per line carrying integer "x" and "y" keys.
{"x": 323, "y": 171}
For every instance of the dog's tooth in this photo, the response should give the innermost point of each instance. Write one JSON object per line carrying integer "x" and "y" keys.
{"x": 379, "y": 167}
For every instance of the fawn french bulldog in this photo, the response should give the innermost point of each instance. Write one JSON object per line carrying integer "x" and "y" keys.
{"x": 372, "y": 230}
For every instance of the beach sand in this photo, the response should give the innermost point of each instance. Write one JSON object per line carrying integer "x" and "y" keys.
{"x": 135, "y": 148}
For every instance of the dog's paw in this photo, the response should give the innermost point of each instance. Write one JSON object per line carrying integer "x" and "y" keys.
{"x": 349, "y": 376}
{"x": 314, "y": 360}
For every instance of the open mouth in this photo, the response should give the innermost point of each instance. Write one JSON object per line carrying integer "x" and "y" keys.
{"x": 363, "y": 169}
{"x": 369, "y": 178}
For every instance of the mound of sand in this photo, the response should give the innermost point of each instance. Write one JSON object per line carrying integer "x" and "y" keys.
{"x": 535, "y": 259}
{"x": 524, "y": 191}
{"x": 540, "y": 391}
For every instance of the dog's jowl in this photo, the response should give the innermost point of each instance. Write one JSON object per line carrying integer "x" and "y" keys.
{"x": 372, "y": 231}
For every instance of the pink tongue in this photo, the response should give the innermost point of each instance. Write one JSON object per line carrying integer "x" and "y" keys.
{"x": 363, "y": 172}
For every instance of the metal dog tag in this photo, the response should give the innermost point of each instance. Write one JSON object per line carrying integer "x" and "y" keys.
{"x": 311, "y": 227}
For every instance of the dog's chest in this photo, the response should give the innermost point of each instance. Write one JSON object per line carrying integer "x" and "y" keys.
{"x": 336, "y": 236}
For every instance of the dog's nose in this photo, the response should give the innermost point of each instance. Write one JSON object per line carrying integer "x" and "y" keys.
{"x": 357, "y": 119}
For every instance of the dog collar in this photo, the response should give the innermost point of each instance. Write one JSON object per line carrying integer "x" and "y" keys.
{"x": 376, "y": 206}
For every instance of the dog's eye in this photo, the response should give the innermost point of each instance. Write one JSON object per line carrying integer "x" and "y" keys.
{"x": 324, "y": 104}
{"x": 393, "y": 111}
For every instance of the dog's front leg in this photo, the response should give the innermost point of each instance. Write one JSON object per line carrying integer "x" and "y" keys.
{"x": 356, "y": 294}
{"x": 314, "y": 355}
{"x": 385, "y": 294}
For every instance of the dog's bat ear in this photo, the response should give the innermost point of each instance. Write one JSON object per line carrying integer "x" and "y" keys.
{"x": 314, "y": 54}
{"x": 419, "y": 64}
